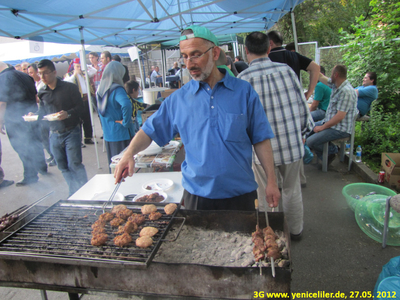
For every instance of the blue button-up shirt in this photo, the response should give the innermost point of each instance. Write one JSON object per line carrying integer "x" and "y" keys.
{"x": 218, "y": 128}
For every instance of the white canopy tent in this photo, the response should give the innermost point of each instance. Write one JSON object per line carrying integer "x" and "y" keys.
{"x": 122, "y": 23}
{"x": 17, "y": 51}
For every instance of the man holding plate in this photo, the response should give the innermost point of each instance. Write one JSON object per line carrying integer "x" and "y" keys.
{"x": 62, "y": 101}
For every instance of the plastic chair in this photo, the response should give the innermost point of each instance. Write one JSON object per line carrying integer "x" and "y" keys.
{"x": 342, "y": 148}
{"x": 394, "y": 202}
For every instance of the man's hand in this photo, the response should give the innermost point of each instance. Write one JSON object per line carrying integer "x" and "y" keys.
{"x": 318, "y": 129}
{"x": 119, "y": 121}
{"x": 77, "y": 72}
{"x": 62, "y": 115}
{"x": 125, "y": 167}
{"x": 272, "y": 194}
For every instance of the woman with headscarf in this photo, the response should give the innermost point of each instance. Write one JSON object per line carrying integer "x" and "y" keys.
{"x": 115, "y": 109}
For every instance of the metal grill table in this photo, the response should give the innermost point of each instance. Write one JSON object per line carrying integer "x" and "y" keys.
{"x": 162, "y": 280}
{"x": 63, "y": 233}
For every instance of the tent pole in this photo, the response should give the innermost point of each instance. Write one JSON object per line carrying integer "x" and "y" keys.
{"x": 296, "y": 45}
{"x": 163, "y": 67}
{"x": 141, "y": 72}
{"x": 294, "y": 30}
{"x": 84, "y": 67}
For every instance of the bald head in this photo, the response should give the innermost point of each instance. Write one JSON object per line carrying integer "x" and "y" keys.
{"x": 3, "y": 66}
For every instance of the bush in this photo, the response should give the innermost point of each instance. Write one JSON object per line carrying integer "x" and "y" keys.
{"x": 379, "y": 135}
{"x": 373, "y": 46}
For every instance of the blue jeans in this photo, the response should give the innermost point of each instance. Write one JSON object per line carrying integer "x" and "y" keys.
{"x": 318, "y": 114}
{"x": 317, "y": 140}
{"x": 66, "y": 148}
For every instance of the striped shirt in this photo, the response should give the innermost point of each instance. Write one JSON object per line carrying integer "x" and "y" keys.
{"x": 285, "y": 106}
{"x": 343, "y": 98}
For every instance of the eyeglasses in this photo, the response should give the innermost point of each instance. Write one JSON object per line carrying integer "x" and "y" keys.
{"x": 194, "y": 58}
{"x": 44, "y": 73}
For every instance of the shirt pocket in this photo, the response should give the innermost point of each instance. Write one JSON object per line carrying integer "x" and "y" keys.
{"x": 235, "y": 128}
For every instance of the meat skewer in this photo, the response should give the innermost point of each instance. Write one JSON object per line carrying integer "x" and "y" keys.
{"x": 270, "y": 253}
{"x": 9, "y": 219}
{"x": 265, "y": 245}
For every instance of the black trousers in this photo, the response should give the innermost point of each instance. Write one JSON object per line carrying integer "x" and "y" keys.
{"x": 87, "y": 124}
{"x": 25, "y": 139}
{"x": 243, "y": 202}
{"x": 45, "y": 135}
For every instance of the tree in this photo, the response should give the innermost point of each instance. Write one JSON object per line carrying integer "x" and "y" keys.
{"x": 320, "y": 20}
{"x": 372, "y": 45}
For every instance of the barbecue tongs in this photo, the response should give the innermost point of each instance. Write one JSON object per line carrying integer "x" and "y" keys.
{"x": 114, "y": 192}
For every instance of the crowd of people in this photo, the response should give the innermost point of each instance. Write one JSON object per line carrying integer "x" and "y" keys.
{"x": 63, "y": 114}
{"x": 244, "y": 125}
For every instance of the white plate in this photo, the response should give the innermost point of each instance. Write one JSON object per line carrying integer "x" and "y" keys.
{"x": 30, "y": 118}
{"x": 171, "y": 144}
{"x": 153, "y": 149}
{"x": 106, "y": 196}
{"x": 160, "y": 184}
{"x": 151, "y": 192}
{"x": 51, "y": 117}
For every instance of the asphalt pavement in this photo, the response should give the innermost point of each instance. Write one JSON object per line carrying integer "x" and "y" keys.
{"x": 333, "y": 255}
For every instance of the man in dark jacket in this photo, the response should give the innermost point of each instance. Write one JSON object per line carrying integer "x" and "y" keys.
{"x": 18, "y": 98}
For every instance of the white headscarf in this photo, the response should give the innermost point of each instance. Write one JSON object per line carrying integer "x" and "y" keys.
{"x": 113, "y": 74}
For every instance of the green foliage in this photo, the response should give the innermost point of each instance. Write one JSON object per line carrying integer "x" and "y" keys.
{"x": 372, "y": 46}
{"x": 379, "y": 135}
{"x": 320, "y": 20}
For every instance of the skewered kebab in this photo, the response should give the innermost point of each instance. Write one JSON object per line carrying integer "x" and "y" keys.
{"x": 265, "y": 244}
{"x": 9, "y": 219}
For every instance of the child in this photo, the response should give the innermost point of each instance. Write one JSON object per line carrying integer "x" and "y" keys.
{"x": 132, "y": 89}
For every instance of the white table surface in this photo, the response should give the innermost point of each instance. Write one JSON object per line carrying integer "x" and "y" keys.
{"x": 132, "y": 185}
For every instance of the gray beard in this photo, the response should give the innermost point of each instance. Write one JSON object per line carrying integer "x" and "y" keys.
{"x": 206, "y": 73}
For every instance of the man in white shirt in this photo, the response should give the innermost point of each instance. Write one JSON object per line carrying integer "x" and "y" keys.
{"x": 33, "y": 72}
{"x": 79, "y": 78}
{"x": 183, "y": 74}
{"x": 155, "y": 74}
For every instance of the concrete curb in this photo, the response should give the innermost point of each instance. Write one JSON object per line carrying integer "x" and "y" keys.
{"x": 366, "y": 173}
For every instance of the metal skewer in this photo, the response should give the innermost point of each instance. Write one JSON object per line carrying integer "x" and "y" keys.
{"x": 267, "y": 221}
{"x": 272, "y": 259}
{"x": 258, "y": 227}
{"x": 34, "y": 203}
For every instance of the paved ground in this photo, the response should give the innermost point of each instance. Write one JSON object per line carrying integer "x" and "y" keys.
{"x": 334, "y": 254}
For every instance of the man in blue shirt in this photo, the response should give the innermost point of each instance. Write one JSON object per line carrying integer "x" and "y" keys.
{"x": 366, "y": 93}
{"x": 154, "y": 75}
{"x": 219, "y": 118}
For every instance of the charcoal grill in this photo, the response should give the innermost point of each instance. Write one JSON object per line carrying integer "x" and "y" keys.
{"x": 63, "y": 232}
{"x": 88, "y": 275}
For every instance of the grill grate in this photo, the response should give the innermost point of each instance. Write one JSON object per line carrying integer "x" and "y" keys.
{"x": 65, "y": 231}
